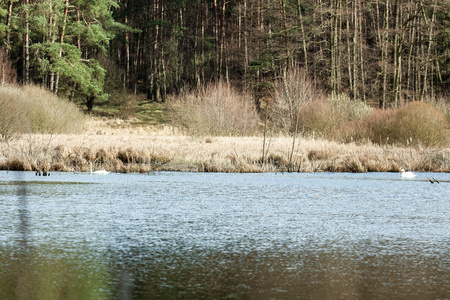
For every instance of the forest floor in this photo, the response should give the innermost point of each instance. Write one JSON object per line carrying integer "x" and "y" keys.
{"x": 131, "y": 146}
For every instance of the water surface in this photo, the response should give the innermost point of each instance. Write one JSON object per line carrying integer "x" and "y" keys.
{"x": 238, "y": 236}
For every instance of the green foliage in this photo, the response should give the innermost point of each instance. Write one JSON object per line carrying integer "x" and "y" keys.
{"x": 63, "y": 47}
{"x": 3, "y": 27}
{"x": 3, "y": 13}
{"x": 87, "y": 74}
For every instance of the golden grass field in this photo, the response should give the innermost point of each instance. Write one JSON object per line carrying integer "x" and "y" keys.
{"x": 118, "y": 146}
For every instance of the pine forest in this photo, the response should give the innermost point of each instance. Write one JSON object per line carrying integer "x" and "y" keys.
{"x": 383, "y": 52}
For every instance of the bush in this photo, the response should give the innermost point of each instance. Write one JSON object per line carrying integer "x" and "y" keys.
{"x": 31, "y": 109}
{"x": 335, "y": 118}
{"x": 348, "y": 109}
{"x": 422, "y": 123}
{"x": 379, "y": 126}
{"x": 319, "y": 118}
{"x": 291, "y": 97}
{"x": 299, "y": 106}
{"x": 441, "y": 104}
{"x": 217, "y": 110}
{"x": 417, "y": 122}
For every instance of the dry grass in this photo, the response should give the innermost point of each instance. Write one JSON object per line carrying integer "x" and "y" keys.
{"x": 142, "y": 149}
{"x": 31, "y": 109}
{"x": 414, "y": 137}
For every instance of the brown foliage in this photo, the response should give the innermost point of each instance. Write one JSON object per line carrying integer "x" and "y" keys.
{"x": 422, "y": 123}
{"x": 294, "y": 95}
{"x": 218, "y": 109}
{"x": 416, "y": 122}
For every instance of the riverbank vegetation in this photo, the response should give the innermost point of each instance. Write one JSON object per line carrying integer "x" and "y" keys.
{"x": 143, "y": 149}
{"x": 295, "y": 75}
{"x": 358, "y": 139}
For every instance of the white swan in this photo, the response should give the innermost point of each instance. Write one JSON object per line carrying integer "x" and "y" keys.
{"x": 99, "y": 172}
{"x": 407, "y": 174}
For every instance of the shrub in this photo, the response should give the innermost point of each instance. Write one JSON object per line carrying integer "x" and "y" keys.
{"x": 128, "y": 107}
{"x": 348, "y": 109}
{"x": 217, "y": 110}
{"x": 442, "y": 105}
{"x": 417, "y": 122}
{"x": 422, "y": 123}
{"x": 291, "y": 97}
{"x": 318, "y": 118}
{"x": 379, "y": 126}
{"x": 31, "y": 109}
{"x": 299, "y": 105}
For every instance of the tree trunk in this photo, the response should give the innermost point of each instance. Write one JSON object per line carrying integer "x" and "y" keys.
{"x": 302, "y": 29}
{"x": 63, "y": 31}
{"x": 284, "y": 27}
{"x": 89, "y": 103}
{"x": 361, "y": 54}
{"x": 25, "y": 47}
{"x": 127, "y": 53}
{"x": 222, "y": 37}
{"x": 385, "y": 55}
{"x": 355, "y": 50}
{"x": 428, "y": 58}
{"x": 398, "y": 40}
{"x": 8, "y": 23}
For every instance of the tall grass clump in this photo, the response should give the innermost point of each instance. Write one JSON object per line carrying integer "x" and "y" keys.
{"x": 422, "y": 123}
{"x": 218, "y": 109}
{"x": 416, "y": 122}
{"x": 31, "y": 109}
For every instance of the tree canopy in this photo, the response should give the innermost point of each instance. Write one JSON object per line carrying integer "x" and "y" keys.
{"x": 384, "y": 51}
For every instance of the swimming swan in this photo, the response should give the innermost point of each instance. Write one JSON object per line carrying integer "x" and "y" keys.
{"x": 99, "y": 172}
{"x": 407, "y": 174}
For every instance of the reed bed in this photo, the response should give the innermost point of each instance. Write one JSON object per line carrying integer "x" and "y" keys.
{"x": 144, "y": 149}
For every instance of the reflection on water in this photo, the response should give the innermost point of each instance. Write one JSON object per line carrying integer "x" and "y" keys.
{"x": 252, "y": 236}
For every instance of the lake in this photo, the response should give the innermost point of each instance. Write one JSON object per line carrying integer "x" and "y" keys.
{"x": 169, "y": 235}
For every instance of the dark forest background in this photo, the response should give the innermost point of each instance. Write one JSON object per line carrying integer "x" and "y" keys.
{"x": 383, "y": 52}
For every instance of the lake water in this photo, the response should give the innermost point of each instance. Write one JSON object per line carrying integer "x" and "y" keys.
{"x": 224, "y": 236}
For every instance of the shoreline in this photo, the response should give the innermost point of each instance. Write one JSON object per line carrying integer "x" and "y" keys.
{"x": 145, "y": 149}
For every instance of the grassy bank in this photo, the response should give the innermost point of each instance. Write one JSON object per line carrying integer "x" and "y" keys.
{"x": 219, "y": 129}
{"x": 117, "y": 147}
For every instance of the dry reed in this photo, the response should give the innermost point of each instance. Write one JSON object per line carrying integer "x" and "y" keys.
{"x": 144, "y": 149}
